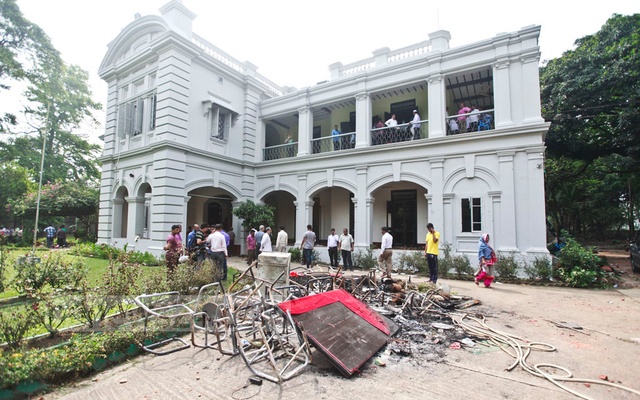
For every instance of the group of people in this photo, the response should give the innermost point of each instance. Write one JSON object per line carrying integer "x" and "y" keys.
{"x": 204, "y": 242}
{"x": 59, "y": 235}
{"x": 396, "y": 133}
{"x": 11, "y": 235}
{"x": 212, "y": 242}
{"x": 470, "y": 119}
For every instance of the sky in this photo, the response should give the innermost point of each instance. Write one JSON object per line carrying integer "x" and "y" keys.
{"x": 293, "y": 42}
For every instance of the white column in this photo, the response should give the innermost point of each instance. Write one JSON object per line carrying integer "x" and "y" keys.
{"x": 184, "y": 215}
{"x": 502, "y": 93}
{"x": 136, "y": 213}
{"x": 437, "y": 106}
{"x": 448, "y": 230}
{"x": 116, "y": 216}
{"x": 236, "y": 223}
{"x": 531, "y": 89}
{"x": 305, "y": 130}
{"x": 363, "y": 120}
{"x": 361, "y": 234}
{"x": 535, "y": 209}
{"x": 505, "y": 229}
{"x": 302, "y": 220}
{"x": 436, "y": 213}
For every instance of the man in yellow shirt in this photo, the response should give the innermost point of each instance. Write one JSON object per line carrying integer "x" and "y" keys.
{"x": 431, "y": 252}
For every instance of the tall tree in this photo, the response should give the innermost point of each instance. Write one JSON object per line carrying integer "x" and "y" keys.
{"x": 22, "y": 46}
{"x": 59, "y": 105}
{"x": 592, "y": 97}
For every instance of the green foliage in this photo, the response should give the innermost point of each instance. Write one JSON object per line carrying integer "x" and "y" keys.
{"x": 590, "y": 95}
{"x": 53, "y": 310}
{"x": 411, "y": 262}
{"x": 578, "y": 266}
{"x": 15, "y": 324}
{"x": 105, "y": 252}
{"x": 364, "y": 259}
{"x": 254, "y": 215}
{"x": 540, "y": 269}
{"x": 458, "y": 263}
{"x": 119, "y": 281}
{"x": 296, "y": 254}
{"x": 51, "y": 272}
{"x": 3, "y": 262}
{"x": 15, "y": 183}
{"x": 60, "y": 199}
{"x": 83, "y": 354}
{"x": 507, "y": 266}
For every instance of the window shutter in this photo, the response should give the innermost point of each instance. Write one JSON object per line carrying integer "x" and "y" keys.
{"x": 152, "y": 112}
{"x": 121, "y": 120}
{"x": 139, "y": 113}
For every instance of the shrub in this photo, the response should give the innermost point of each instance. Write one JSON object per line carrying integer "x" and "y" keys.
{"x": 15, "y": 324}
{"x": 364, "y": 259}
{"x": 296, "y": 254}
{"x": 541, "y": 269}
{"x": 578, "y": 266}
{"x": 458, "y": 263}
{"x": 507, "y": 266}
{"x": 52, "y": 271}
{"x": 52, "y": 310}
{"x": 412, "y": 262}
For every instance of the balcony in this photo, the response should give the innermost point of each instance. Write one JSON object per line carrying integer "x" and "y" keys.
{"x": 280, "y": 151}
{"x": 470, "y": 122}
{"x": 333, "y": 143}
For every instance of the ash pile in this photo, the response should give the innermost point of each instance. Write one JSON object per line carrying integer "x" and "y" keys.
{"x": 421, "y": 320}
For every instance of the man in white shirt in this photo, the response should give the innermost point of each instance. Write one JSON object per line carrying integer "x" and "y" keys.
{"x": 217, "y": 245}
{"x": 345, "y": 246}
{"x": 385, "y": 251}
{"x": 415, "y": 125}
{"x": 391, "y": 122}
{"x": 282, "y": 240}
{"x": 473, "y": 119}
{"x": 265, "y": 244}
{"x": 332, "y": 245}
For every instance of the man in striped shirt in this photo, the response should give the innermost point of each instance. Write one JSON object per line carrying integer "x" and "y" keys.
{"x": 51, "y": 233}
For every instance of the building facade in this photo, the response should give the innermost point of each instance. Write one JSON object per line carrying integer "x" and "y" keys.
{"x": 191, "y": 132}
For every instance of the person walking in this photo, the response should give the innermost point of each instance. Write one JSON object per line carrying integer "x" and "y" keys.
{"x": 431, "y": 252}
{"x": 251, "y": 246}
{"x": 384, "y": 260}
{"x": 172, "y": 248}
{"x": 218, "y": 251}
{"x": 265, "y": 244}
{"x": 486, "y": 258}
{"x": 50, "y": 231}
{"x": 308, "y": 240}
{"x": 259, "y": 234}
{"x": 332, "y": 245}
{"x": 345, "y": 246}
{"x": 282, "y": 240}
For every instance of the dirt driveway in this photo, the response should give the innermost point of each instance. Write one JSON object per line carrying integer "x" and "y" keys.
{"x": 609, "y": 345}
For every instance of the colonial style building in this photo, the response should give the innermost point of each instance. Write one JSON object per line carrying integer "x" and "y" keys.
{"x": 191, "y": 132}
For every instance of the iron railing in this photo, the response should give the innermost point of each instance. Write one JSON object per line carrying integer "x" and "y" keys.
{"x": 400, "y": 133}
{"x": 280, "y": 151}
{"x": 470, "y": 122}
{"x": 333, "y": 143}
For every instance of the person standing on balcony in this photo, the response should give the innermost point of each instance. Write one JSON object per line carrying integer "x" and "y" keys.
{"x": 384, "y": 260}
{"x": 415, "y": 125}
{"x": 392, "y": 123}
{"x": 473, "y": 118}
{"x": 308, "y": 240}
{"x": 336, "y": 137}
{"x": 332, "y": 245}
{"x": 431, "y": 252}
{"x": 462, "y": 120}
{"x": 282, "y": 240}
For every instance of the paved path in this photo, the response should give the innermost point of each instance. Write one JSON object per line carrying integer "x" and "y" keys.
{"x": 609, "y": 346}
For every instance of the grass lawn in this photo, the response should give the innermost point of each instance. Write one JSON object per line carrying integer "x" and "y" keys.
{"x": 96, "y": 267}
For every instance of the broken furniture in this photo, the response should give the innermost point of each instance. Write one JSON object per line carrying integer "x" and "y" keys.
{"x": 164, "y": 307}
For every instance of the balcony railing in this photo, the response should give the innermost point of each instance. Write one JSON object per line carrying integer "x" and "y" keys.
{"x": 280, "y": 151}
{"x": 400, "y": 133}
{"x": 333, "y": 143}
{"x": 470, "y": 122}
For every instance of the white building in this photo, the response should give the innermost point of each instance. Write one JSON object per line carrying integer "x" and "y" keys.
{"x": 191, "y": 132}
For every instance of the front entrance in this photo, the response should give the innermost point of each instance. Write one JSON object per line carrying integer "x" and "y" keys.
{"x": 403, "y": 222}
